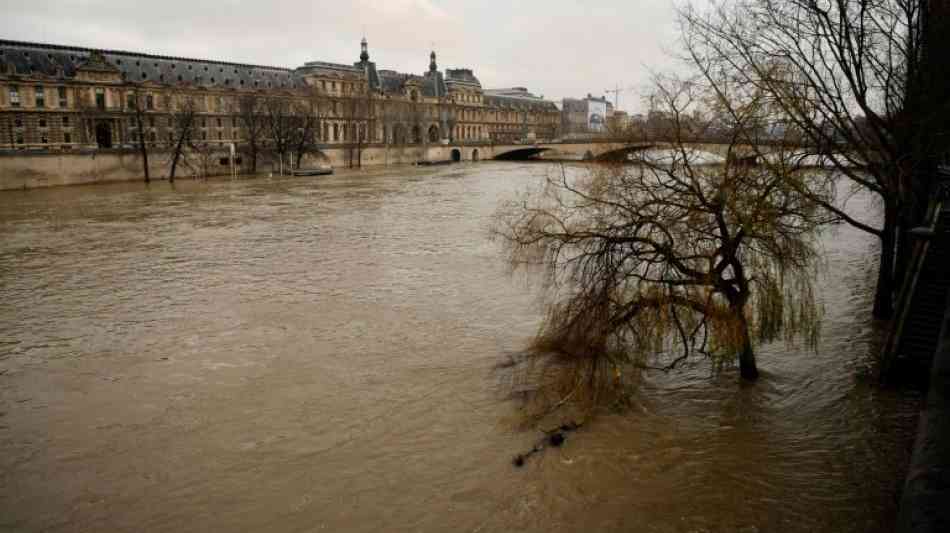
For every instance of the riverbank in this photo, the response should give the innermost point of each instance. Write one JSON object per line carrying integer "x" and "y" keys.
{"x": 36, "y": 170}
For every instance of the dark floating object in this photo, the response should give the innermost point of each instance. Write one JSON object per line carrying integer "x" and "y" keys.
{"x": 313, "y": 171}
{"x": 554, "y": 438}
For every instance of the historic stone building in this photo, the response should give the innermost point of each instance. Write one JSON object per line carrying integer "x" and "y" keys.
{"x": 62, "y": 98}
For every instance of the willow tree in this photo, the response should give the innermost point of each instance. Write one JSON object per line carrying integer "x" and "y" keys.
{"x": 679, "y": 254}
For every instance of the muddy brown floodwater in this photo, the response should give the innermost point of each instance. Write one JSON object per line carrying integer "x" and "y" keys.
{"x": 308, "y": 354}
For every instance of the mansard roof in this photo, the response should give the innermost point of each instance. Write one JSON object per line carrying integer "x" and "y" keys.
{"x": 431, "y": 85}
{"x": 64, "y": 61}
{"x": 462, "y": 77}
{"x": 519, "y": 98}
{"x": 519, "y": 102}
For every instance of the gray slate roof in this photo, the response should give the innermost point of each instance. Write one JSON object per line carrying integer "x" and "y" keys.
{"x": 63, "y": 61}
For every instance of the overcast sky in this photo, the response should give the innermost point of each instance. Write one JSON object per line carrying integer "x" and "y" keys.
{"x": 556, "y": 48}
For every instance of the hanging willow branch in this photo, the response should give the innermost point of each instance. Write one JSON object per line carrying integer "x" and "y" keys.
{"x": 647, "y": 265}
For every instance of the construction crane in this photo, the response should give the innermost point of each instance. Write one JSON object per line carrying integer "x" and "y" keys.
{"x": 616, "y": 92}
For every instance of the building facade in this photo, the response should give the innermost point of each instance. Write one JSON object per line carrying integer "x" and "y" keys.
{"x": 582, "y": 117}
{"x": 61, "y": 98}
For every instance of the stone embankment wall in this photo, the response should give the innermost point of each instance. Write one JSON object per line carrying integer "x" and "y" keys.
{"x": 35, "y": 170}
{"x": 29, "y": 170}
{"x": 925, "y": 504}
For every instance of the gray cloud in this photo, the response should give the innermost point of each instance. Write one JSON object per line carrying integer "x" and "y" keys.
{"x": 556, "y": 48}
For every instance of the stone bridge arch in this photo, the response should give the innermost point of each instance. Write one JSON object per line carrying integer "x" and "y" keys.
{"x": 526, "y": 153}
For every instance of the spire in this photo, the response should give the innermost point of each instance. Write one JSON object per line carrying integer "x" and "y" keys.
{"x": 364, "y": 50}
{"x": 432, "y": 65}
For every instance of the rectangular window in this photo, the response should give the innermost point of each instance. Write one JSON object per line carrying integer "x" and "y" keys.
{"x": 100, "y": 98}
{"x": 14, "y": 96}
{"x": 44, "y": 138}
{"x": 40, "y": 94}
{"x": 67, "y": 137}
{"x": 151, "y": 122}
{"x": 219, "y": 122}
{"x": 66, "y": 122}
{"x": 63, "y": 101}
{"x": 149, "y": 102}
{"x": 130, "y": 101}
{"x": 19, "y": 138}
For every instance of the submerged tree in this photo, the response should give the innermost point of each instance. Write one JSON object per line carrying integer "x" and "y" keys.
{"x": 678, "y": 254}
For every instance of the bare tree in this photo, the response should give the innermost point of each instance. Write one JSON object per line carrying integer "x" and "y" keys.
{"x": 356, "y": 111}
{"x": 673, "y": 256}
{"x": 282, "y": 123}
{"x": 854, "y": 79}
{"x": 249, "y": 113}
{"x": 183, "y": 115}
{"x": 305, "y": 138}
{"x": 395, "y": 117}
{"x": 137, "y": 102}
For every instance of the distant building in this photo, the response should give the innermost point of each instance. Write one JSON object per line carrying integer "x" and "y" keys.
{"x": 56, "y": 97}
{"x": 585, "y": 116}
{"x": 526, "y": 108}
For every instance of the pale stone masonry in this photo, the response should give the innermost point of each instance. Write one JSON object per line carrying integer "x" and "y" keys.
{"x": 62, "y": 98}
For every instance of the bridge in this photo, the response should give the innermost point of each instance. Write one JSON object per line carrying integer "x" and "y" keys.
{"x": 573, "y": 151}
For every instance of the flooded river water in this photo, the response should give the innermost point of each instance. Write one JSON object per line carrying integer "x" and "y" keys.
{"x": 306, "y": 354}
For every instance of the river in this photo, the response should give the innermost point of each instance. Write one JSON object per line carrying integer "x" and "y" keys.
{"x": 317, "y": 354}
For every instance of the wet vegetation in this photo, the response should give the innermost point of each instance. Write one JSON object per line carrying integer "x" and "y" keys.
{"x": 672, "y": 255}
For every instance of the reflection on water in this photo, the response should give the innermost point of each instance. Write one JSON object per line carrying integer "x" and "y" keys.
{"x": 315, "y": 354}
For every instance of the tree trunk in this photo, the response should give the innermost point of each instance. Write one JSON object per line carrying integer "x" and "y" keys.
{"x": 143, "y": 149}
{"x": 747, "y": 367}
{"x": 144, "y": 160}
{"x": 175, "y": 158}
{"x": 884, "y": 294}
